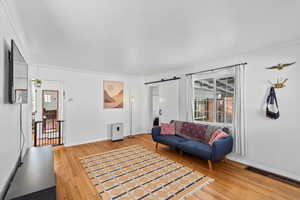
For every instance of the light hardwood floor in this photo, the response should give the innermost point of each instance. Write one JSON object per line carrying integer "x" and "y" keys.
{"x": 232, "y": 181}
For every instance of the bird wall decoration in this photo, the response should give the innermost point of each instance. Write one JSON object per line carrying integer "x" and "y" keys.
{"x": 279, "y": 84}
{"x": 281, "y": 66}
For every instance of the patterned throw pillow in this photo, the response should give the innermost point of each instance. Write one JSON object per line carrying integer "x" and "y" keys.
{"x": 167, "y": 129}
{"x": 217, "y": 135}
{"x": 209, "y": 132}
{"x": 194, "y": 131}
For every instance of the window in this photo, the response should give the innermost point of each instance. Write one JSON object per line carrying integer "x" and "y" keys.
{"x": 213, "y": 99}
{"x": 47, "y": 98}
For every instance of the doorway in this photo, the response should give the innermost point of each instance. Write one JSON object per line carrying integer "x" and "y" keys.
{"x": 164, "y": 101}
{"x": 154, "y": 90}
{"x": 47, "y": 113}
{"x": 50, "y": 110}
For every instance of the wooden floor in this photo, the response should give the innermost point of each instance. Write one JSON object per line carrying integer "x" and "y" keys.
{"x": 232, "y": 181}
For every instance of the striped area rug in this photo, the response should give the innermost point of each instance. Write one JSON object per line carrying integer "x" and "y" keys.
{"x": 134, "y": 172}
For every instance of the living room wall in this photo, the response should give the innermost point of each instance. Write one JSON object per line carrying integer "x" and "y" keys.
{"x": 273, "y": 145}
{"x": 9, "y": 114}
{"x": 85, "y": 119}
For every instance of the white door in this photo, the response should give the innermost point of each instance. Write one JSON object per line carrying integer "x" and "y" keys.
{"x": 168, "y": 101}
{"x": 155, "y": 101}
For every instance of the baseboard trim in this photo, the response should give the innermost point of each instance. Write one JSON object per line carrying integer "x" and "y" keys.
{"x": 97, "y": 140}
{"x": 277, "y": 177}
{"x": 85, "y": 142}
{"x": 263, "y": 167}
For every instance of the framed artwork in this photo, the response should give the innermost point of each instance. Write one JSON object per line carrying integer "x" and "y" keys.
{"x": 113, "y": 94}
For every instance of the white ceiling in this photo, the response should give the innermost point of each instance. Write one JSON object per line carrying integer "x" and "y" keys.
{"x": 150, "y": 36}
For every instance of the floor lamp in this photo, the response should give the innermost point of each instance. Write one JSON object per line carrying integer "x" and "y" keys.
{"x": 131, "y": 102}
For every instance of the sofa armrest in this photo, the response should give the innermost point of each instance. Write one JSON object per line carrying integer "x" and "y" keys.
{"x": 221, "y": 148}
{"x": 155, "y": 132}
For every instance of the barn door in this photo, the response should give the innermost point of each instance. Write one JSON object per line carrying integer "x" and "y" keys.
{"x": 168, "y": 101}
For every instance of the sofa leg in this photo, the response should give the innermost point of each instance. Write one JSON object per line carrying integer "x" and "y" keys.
{"x": 210, "y": 166}
{"x": 156, "y": 146}
{"x": 225, "y": 159}
{"x": 180, "y": 152}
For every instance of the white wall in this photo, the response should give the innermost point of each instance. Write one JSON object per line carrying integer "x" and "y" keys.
{"x": 9, "y": 114}
{"x": 272, "y": 144}
{"x": 85, "y": 118}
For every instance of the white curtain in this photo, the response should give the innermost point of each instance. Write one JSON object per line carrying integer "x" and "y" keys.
{"x": 189, "y": 99}
{"x": 239, "y": 125}
{"x": 182, "y": 98}
{"x": 185, "y": 98}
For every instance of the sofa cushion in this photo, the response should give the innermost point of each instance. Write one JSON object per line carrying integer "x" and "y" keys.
{"x": 209, "y": 133}
{"x": 194, "y": 131}
{"x": 171, "y": 140}
{"x": 196, "y": 148}
{"x": 218, "y": 134}
{"x": 167, "y": 129}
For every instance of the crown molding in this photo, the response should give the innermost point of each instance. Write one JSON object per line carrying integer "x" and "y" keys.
{"x": 89, "y": 72}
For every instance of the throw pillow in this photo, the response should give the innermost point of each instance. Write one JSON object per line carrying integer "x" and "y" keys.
{"x": 217, "y": 135}
{"x": 209, "y": 133}
{"x": 167, "y": 129}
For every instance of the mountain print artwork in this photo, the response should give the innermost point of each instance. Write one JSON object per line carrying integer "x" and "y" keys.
{"x": 113, "y": 94}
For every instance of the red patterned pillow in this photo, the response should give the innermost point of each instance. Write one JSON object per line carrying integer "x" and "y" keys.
{"x": 217, "y": 135}
{"x": 167, "y": 129}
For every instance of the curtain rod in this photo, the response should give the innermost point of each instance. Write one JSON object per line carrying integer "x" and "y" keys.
{"x": 210, "y": 70}
{"x": 163, "y": 80}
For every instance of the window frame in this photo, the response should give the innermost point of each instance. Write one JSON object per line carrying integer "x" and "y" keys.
{"x": 213, "y": 76}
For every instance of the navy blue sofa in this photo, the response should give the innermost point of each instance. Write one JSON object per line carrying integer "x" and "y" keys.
{"x": 211, "y": 153}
